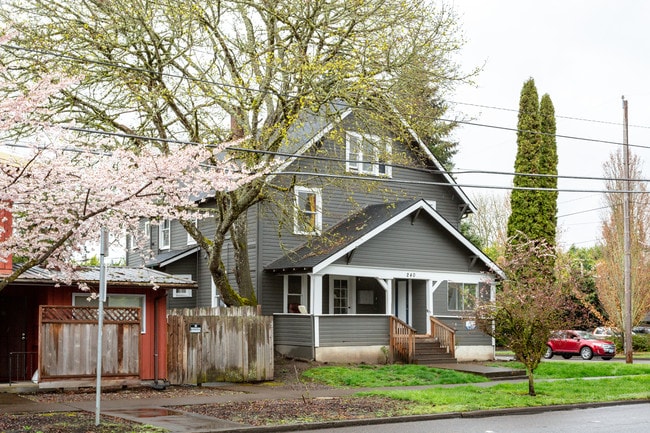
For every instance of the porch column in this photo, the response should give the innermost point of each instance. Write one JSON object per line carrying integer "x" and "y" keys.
{"x": 316, "y": 295}
{"x": 316, "y": 300}
{"x": 429, "y": 299}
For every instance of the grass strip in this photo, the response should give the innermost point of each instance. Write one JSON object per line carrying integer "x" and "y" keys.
{"x": 510, "y": 395}
{"x": 366, "y": 376}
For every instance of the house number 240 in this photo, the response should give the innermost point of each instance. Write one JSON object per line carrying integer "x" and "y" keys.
{"x": 410, "y": 275}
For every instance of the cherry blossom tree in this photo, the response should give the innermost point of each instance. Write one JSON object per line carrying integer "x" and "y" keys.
{"x": 64, "y": 186}
{"x": 183, "y": 70}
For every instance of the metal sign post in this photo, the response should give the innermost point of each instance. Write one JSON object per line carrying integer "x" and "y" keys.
{"x": 103, "y": 247}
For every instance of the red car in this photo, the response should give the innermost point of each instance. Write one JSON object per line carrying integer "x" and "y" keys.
{"x": 585, "y": 344}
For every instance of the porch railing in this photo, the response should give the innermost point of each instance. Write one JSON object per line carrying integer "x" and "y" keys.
{"x": 445, "y": 335}
{"x": 402, "y": 341}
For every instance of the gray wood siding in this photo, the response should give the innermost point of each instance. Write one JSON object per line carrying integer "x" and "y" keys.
{"x": 293, "y": 329}
{"x": 342, "y": 330}
{"x": 467, "y": 337}
{"x": 422, "y": 244}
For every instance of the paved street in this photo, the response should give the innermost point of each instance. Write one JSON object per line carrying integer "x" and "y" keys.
{"x": 633, "y": 418}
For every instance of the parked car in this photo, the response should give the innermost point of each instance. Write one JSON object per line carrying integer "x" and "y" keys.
{"x": 582, "y": 343}
{"x": 641, "y": 330}
{"x": 604, "y": 331}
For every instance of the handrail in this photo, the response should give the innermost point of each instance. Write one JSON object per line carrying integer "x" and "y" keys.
{"x": 402, "y": 340}
{"x": 445, "y": 335}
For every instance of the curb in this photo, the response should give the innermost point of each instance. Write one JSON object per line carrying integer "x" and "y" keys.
{"x": 430, "y": 417}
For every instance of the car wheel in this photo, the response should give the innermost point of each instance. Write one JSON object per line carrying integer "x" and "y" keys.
{"x": 567, "y": 356}
{"x": 586, "y": 353}
{"x": 607, "y": 358}
{"x": 549, "y": 353}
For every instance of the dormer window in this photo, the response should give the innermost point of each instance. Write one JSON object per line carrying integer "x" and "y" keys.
{"x": 367, "y": 154}
{"x": 308, "y": 216}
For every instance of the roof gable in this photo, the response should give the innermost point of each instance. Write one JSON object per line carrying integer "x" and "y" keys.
{"x": 359, "y": 228}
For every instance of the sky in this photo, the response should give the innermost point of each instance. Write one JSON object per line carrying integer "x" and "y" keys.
{"x": 586, "y": 55}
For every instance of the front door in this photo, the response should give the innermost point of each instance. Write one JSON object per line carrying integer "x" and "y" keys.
{"x": 14, "y": 357}
{"x": 341, "y": 296}
{"x": 403, "y": 300}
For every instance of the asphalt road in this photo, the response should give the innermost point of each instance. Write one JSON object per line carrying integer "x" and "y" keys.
{"x": 632, "y": 418}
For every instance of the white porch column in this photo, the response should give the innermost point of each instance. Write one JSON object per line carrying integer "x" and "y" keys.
{"x": 316, "y": 295}
{"x": 316, "y": 301}
{"x": 429, "y": 299}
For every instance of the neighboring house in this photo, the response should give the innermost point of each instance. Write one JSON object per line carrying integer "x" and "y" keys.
{"x": 381, "y": 241}
{"x": 36, "y": 298}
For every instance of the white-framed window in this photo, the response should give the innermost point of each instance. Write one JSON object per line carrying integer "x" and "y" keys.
{"x": 216, "y": 296}
{"x": 190, "y": 239}
{"x": 182, "y": 293}
{"x": 165, "y": 234}
{"x": 132, "y": 239}
{"x": 367, "y": 154}
{"x": 342, "y": 295}
{"x": 295, "y": 292}
{"x": 308, "y": 218}
{"x": 115, "y": 300}
{"x": 461, "y": 296}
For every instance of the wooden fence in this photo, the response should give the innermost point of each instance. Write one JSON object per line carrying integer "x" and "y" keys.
{"x": 68, "y": 344}
{"x": 219, "y": 345}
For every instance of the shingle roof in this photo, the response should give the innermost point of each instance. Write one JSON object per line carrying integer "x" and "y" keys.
{"x": 115, "y": 275}
{"x": 339, "y": 236}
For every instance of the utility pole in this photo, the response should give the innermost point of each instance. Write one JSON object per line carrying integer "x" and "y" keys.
{"x": 627, "y": 262}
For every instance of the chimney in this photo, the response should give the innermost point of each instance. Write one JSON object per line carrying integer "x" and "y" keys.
{"x": 6, "y": 223}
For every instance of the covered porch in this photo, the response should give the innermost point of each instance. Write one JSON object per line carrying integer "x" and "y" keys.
{"x": 356, "y": 338}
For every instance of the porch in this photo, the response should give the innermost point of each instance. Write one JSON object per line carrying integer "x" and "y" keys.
{"x": 357, "y": 338}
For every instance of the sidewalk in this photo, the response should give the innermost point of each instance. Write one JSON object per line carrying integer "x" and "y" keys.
{"x": 160, "y": 412}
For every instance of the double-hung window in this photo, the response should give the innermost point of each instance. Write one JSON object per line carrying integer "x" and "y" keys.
{"x": 164, "y": 234}
{"x": 308, "y": 216}
{"x": 367, "y": 154}
{"x": 190, "y": 239}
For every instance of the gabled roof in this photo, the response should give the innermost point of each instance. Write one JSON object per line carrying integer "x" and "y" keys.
{"x": 171, "y": 256}
{"x": 311, "y": 127}
{"x": 115, "y": 275}
{"x": 357, "y": 229}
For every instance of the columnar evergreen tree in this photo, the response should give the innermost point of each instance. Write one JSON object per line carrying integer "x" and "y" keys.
{"x": 534, "y": 212}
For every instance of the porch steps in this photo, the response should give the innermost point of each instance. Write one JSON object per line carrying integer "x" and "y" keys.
{"x": 429, "y": 352}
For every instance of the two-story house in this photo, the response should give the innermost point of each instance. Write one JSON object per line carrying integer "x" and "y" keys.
{"x": 372, "y": 234}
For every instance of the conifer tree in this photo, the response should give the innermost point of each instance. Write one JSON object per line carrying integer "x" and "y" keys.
{"x": 534, "y": 213}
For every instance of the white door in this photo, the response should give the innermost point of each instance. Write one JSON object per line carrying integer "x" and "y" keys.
{"x": 403, "y": 300}
{"x": 341, "y": 296}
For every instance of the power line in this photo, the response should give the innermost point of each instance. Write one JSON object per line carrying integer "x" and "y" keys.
{"x": 62, "y": 55}
{"x": 581, "y": 119}
{"x": 338, "y": 160}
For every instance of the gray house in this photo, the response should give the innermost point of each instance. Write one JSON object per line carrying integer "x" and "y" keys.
{"x": 358, "y": 256}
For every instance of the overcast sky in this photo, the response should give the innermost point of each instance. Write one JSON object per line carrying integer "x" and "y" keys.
{"x": 586, "y": 55}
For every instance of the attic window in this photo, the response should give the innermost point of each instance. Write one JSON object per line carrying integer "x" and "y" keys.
{"x": 308, "y": 214}
{"x": 367, "y": 154}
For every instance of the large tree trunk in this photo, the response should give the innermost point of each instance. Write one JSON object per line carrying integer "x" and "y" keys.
{"x": 239, "y": 238}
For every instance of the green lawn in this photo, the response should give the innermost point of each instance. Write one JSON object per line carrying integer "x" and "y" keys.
{"x": 509, "y": 395}
{"x": 556, "y": 383}
{"x": 388, "y": 375}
